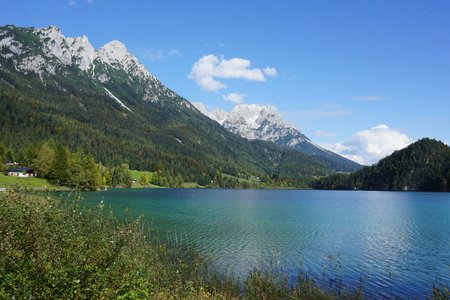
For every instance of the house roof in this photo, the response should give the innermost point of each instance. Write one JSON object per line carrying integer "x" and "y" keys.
{"x": 20, "y": 170}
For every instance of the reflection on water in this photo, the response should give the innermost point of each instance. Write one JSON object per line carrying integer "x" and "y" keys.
{"x": 392, "y": 243}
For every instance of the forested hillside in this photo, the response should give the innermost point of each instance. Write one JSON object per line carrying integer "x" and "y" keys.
{"x": 422, "y": 166}
{"x": 107, "y": 104}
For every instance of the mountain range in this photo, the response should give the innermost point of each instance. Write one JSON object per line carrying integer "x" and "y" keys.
{"x": 108, "y": 104}
{"x": 258, "y": 122}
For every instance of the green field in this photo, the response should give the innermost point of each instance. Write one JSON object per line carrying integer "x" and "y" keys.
{"x": 136, "y": 175}
{"x": 23, "y": 182}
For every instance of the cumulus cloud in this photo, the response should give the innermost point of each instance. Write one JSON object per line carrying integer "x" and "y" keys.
{"x": 207, "y": 69}
{"x": 369, "y": 146}
{"x": 235, "y": 98}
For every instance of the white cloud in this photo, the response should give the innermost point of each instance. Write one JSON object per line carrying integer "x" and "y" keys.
{"x": 210, "y": 85}
{"x": 269, "y": 71}
{"x": 205, "y": 71}
{"x": 324, "y": 133}
{"x": 369, "y": 146}
{"x": 367, "y": 98}
{"x": 235, "y": 98}
{"x": 160, "y": 55}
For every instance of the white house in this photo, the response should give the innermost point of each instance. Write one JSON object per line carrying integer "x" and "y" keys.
{"x": 21, "y": 172}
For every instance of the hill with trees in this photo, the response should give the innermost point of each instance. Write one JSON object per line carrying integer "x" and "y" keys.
{"x": 422, "y": 166}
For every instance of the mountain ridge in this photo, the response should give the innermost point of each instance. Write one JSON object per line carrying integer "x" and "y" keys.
{"x": 117, "y": 111}
{"x": 263, "y": 122}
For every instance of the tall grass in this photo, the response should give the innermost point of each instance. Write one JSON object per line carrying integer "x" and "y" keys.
{"x": 57, "y": 249}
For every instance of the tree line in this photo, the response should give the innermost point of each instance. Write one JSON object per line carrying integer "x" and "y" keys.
{"x": 55, "y": 162}
{"x": 77, "y": 169}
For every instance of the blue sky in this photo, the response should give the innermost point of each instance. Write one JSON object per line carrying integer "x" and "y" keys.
{"x": 342, "y": 67}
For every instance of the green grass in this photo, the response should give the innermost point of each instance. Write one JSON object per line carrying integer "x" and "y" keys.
{"x": 23, "y": 182}
{"x": 56, "y": 249}
{"x": 136, "y": 175}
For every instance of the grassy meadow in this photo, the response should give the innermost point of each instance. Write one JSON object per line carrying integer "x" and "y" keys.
{"x": 10, "y": 182}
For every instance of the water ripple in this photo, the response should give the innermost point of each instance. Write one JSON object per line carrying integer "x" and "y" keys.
{"x": 394, "y": 244}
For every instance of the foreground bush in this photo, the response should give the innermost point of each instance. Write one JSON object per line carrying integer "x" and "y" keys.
{"x": 53, "y": 249}
{"x": 56, "y": 249}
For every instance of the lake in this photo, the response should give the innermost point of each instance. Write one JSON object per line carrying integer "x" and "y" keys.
{"x": 391, "y": 243}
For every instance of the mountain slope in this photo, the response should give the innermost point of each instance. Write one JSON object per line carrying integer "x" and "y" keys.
{"x": 422, "y": 166}
{"x": 256, "y": 122}
{"x": 106, "y": 102}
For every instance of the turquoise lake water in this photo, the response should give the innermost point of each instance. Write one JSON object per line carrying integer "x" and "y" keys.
{"x": 391, "y": 243}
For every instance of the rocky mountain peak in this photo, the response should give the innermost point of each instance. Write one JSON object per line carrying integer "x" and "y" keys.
{"x": 46, "y": 52}
{"x": 114, "y": 52}
{"x": 218, "y": 115}
{"x": 253, "y": 121}
{"x": 52, "y": 32}
{"x": 264, "y": 122}
{"x": 67, "y": 50}
{"x": 58, "y": 50}
{"x": 254, "y": 115}
{"x": 117, "y": 55}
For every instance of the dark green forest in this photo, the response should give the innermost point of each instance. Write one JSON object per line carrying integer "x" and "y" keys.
{"x": 422, "y": 166}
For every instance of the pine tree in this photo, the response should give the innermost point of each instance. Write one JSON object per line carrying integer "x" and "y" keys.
{"x": 60, "y": 165}
{"x": 121, "y": 176}
{"x": 2, "y": 153}
{"x": 2, "y": 156}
